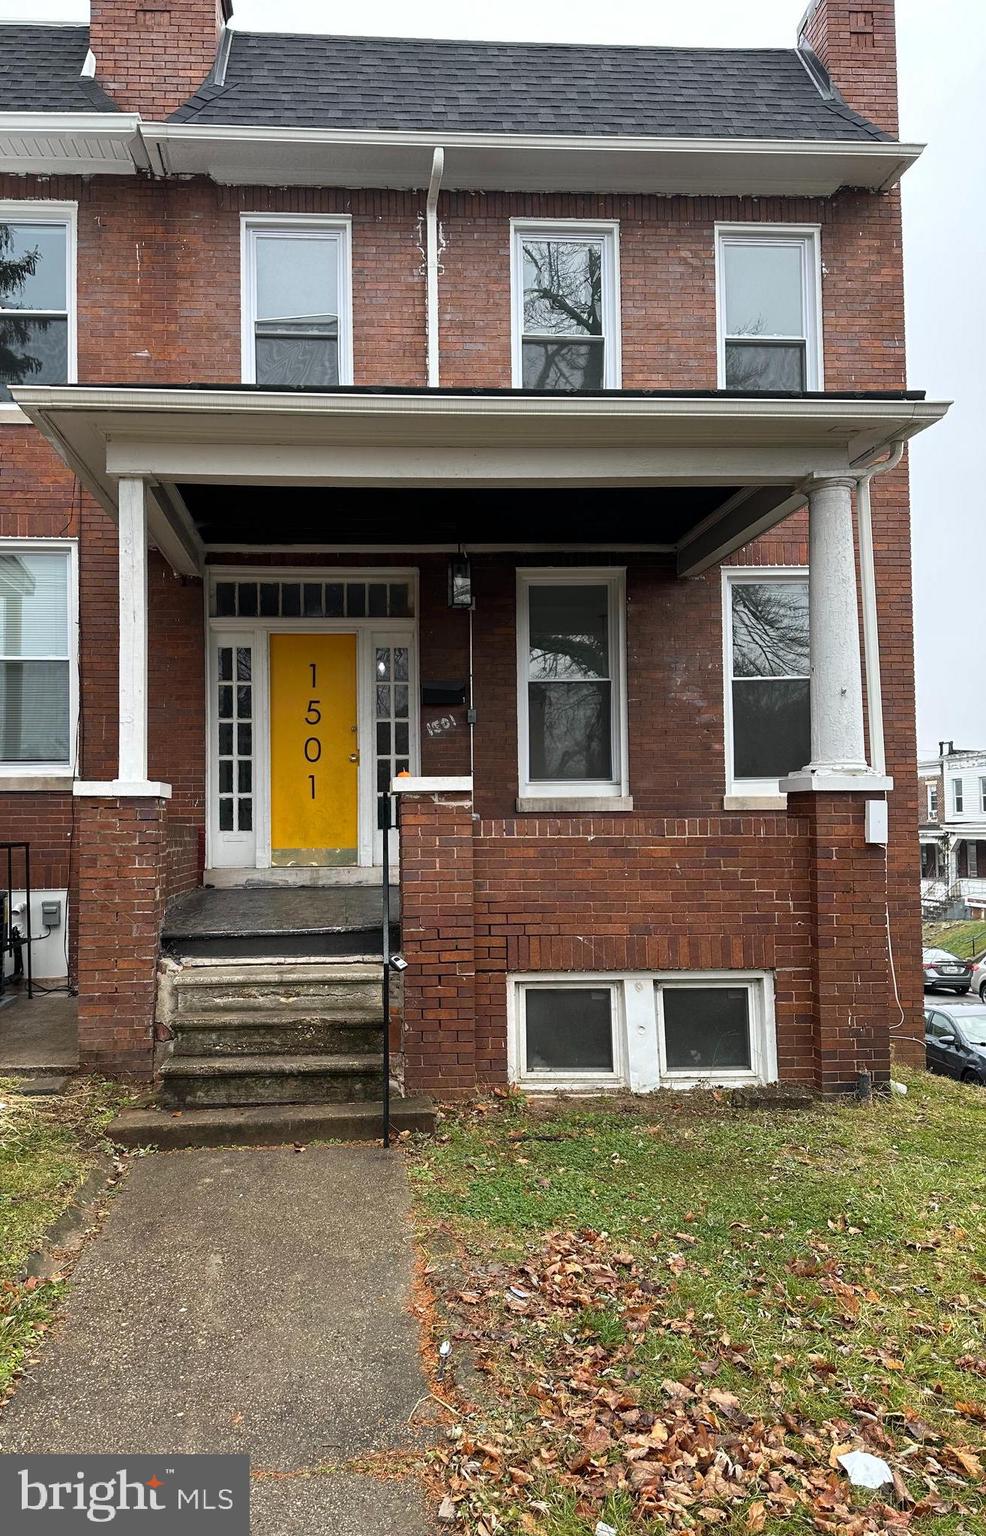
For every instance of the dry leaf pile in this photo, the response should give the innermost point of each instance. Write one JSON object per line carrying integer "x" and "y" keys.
{"x": 569, "y": 1413}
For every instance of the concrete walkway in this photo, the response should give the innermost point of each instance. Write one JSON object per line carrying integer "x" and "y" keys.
{"x": 246, "y": 1300}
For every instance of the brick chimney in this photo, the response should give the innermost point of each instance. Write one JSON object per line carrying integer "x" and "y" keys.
{"x": 856, "y": 42}
{"x": 151, "y": 55}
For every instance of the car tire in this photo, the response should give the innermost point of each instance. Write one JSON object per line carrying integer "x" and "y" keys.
{"x": 982, "y": 992}
{"x": 969, "y": 1076}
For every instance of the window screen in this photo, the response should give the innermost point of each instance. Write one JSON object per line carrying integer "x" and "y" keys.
{"x": 569, "y": 683}
{"x": 562, "y": 344}
{"x": 34, "y": 341}
{"x": 34, "y": 658}
{"x": 769, "y": 684}
{"x": 707, "y": 1029}
{"x": 569, "y": 1029}
{"x": 765, "y": 310}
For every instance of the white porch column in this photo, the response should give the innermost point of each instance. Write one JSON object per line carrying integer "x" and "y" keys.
{"x": 838, "y": 742}
{"x": 133, "y": 632}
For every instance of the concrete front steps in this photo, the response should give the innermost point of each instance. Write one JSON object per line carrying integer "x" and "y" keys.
{"x": 268, "y": 1050}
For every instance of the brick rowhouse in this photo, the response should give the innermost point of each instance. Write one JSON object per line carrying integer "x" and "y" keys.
{"x": 682, "y": 882}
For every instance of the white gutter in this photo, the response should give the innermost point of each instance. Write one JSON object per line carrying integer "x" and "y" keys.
{"x": 431, "y": 264}
{"x": 871, "y": 630}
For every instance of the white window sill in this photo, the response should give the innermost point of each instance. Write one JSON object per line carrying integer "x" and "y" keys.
{"x": 34, "y": 782}
{"x": 12, "y": 415}
{"x": 754, "y": 803}
{"x": 573, "y": 805}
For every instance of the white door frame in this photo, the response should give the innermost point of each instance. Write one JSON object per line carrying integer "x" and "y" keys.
{"x": 259, "y": 630}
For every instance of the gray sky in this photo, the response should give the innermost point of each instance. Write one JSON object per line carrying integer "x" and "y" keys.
{"x": 942, "y": 50}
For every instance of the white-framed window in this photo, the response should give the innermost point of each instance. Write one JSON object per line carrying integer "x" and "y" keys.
{"x": 565, "y": 286}
{"x": 933, "y": 800}
{"x": 296, "y": 298}
{"x": 769, "y": 307}
{"x": 982, "y": 794}
{"x": 958, "y": 796}
{"x": 767, "y": 704}
{"x": 641, "y": 1031}
{"x": 38, "y": 656}
{"x": 571, "y": 666}
{"x": 38, "y": 323}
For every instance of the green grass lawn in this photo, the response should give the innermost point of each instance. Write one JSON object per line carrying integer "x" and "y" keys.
{"x": 967, "y": 939}
{"x": 670, "y": 1315}
{"x": 47, "y": 1148}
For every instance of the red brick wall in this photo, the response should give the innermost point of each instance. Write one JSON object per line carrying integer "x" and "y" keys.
{"x": 153, "y": 54}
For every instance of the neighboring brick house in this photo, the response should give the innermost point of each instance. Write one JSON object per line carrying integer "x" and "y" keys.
{"x": 470, "y": 411}
{"x": 952, "y": 831}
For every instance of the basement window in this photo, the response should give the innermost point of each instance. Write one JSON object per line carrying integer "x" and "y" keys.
{"x": 769, "y": 307}
{"x": 566, "y": 310}
{"x": 568, "y": 1033}
{"x": 670, "y": 1029}
{"x": 37, "y": 303}
{"x": 296, "y": 301}
{"x": 767, "y": 703}
{"x": 38, "y": 661}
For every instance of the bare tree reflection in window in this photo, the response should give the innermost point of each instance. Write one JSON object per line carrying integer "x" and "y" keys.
{"x": 562, "y": 344}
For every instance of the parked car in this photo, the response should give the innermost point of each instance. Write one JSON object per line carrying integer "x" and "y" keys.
{"x": 955, "y": 1042}
{"x": 979, "y": 976}
{"x": 946, "y": 971}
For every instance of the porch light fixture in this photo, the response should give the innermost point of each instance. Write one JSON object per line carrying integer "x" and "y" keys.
{"x": 459, "y": 581}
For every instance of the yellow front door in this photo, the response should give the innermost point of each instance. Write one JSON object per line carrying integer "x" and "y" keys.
{"x": 314, "y": 760}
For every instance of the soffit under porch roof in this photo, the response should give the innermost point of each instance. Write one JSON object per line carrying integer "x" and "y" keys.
{"x": 709, "y": 471}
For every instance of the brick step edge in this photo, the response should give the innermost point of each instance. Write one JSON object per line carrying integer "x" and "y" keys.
{"x": 267, "y": 1125}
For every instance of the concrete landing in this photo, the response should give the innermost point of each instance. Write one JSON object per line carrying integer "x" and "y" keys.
{"x": 212, "y": 913}
{"x": 252, "y": 1301}
{"x": 39, "y": 1035}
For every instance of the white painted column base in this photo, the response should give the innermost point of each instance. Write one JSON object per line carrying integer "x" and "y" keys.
{"x": 122, "y": 789}
{"x": 827, "y": 781}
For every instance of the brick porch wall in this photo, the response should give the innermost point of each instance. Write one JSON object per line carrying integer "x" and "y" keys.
{"x": 122, "y": 864}
{"x": 798, "y": 894}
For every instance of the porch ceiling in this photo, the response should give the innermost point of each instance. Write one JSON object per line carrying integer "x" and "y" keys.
{"x": 701, "y": 473}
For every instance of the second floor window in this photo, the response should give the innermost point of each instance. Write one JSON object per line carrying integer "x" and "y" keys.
{"x": 296, "y": 302}
{"x": 769, "y": 309}
{"x": 932, "y": 801}
{"x": 958, "y": 798}
{"x": 566, "y": 306}
{"x": 37, "y": 342}
{"x": 767, "y": 695}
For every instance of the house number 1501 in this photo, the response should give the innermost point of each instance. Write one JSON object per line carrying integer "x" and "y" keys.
{"x": 313, "y": 716}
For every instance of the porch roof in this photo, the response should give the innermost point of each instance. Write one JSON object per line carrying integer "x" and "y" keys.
{"x": 721, "y": 467}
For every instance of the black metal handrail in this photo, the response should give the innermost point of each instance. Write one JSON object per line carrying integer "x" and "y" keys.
{"x": 12, "y": 941}
{"x": 384, "y": 821}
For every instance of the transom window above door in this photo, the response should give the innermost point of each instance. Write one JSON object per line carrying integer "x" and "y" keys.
{"x": 315, "y": 599}
{"x": 296, "y": 297}
{"x": 769, "y": 302}
{"x": 566, "y": 324}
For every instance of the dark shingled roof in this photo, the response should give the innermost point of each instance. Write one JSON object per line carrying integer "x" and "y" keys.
{"x": 435, "y": 86}
{"x": 41, "y": 71}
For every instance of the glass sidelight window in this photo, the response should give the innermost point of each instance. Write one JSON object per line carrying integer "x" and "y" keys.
{"x": 566, "y": 306}
{"x": 392, "y": 709}
{"x": 37, "y": 657}
{"x": 235, "y": 737}
{"x": 297, "y": 324}
{"x": 767, "y": 696}
{"x": 571, "y": 694}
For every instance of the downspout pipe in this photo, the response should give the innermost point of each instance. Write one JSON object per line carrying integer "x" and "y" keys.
{"x": 871, "y": 631}
{"x": 431, "y": 264}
